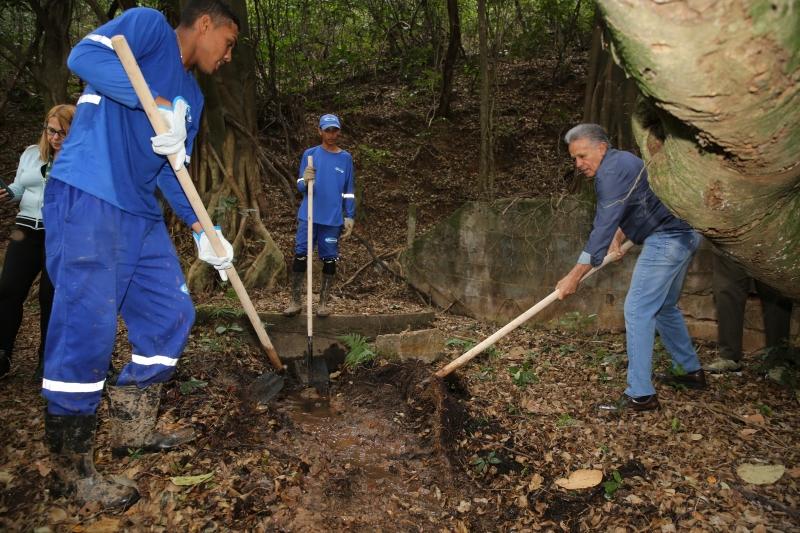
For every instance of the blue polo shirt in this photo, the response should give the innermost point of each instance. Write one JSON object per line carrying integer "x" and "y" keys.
{"x": 108, "y": 152}
{"x": 626, "y": 201}
{"x": 334, "y": 186}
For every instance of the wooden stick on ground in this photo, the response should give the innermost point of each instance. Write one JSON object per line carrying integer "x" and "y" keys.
{"x": 149, "y": 105}
{"x": 514, "y": 324}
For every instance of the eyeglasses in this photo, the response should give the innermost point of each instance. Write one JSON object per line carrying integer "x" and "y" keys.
{"x": 52, "y": 132}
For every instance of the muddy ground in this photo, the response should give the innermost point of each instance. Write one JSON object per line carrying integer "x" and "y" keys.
{"x": 370, "y": 456}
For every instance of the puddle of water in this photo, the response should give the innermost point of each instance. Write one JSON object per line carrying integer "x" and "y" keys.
{"x": 359, "y": 441}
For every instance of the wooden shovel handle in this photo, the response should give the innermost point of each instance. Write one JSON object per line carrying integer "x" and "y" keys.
{"x": 514, "y": 324}
{"x": 156, "y": 120}
{"x": 309, "y": 250}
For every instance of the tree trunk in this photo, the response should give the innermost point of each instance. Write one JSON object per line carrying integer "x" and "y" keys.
{"x": 453, "y": 46}
{"x": 225, "y": 168}
{"x": 51, "y": 72}
{"x": 486, "y": 159}
{"x": 721, "y": 125}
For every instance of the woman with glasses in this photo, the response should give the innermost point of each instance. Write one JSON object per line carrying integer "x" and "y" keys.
{"x": 25, "y": 256}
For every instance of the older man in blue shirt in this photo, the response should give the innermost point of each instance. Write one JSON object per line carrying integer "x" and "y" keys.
{"x": 628, "y": 208}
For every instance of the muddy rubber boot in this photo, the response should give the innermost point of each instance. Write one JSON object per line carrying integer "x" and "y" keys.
{"x": 133, "y": 421}
{"x": 71, "y": 442}
{"x": 5, "y": 363}
{"x": 297, "y": 294}
{"x": 324, "y": 295}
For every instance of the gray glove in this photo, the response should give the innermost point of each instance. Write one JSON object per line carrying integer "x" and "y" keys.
{"x": 348, "y": 227}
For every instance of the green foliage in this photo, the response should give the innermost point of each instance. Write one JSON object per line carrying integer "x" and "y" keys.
{"x": 675, "y": 425}
{"x": 611, "y": 486}
{"x": 360, "y": 352}
{"x": 230, "y": 327}
{"x": 565, "y": 420}
{"x": 765, "y": 410}
{"x": 192, "y": 386}
{"x": 135, "y": 453}
{"x": 523, "y": 374}
{"x": 482, "y": 463}
{"x": 576, "y": 321}
{"x": 372, "y": 156}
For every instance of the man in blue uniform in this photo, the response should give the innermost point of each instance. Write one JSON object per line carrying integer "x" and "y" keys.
{"x": 108, "y": 250}
{"x": 628, "y": 208}
{"x": 334, "y": 211}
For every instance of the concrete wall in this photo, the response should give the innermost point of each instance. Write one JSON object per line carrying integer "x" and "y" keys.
{"x": 495, "y": 260}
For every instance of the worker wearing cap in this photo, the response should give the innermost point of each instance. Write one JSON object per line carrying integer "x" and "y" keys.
{"x": 334, "y": 211}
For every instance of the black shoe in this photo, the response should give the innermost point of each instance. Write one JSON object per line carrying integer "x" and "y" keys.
{"x": 691, "y": 380}
{"x": 628, "y": 403}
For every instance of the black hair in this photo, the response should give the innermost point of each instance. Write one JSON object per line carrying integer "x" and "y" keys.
{"x": 219, "y": 11}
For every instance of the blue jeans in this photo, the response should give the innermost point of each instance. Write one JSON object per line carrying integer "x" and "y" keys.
{"x": 652, "y": 304}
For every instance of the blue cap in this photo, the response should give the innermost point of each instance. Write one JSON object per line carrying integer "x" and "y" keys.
{"x": 329, "y": 121}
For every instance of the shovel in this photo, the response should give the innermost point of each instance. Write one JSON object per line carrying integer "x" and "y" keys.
{"x": 312, "y": 370}
{"x": 514, "y": 324}
{"x": 267, "y": 385}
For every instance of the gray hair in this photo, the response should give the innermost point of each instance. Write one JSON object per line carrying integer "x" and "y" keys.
{"x": 591, "y": 132}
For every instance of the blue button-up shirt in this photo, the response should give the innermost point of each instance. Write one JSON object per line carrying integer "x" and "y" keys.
{"x": 625, "y": 201}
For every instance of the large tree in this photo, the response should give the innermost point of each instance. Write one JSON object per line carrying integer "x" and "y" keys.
{"x": 227, "y": 167}
{"x": 719, "y": 125}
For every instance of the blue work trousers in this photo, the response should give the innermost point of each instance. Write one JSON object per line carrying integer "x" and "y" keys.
{"x": 325, "y": 237}
{"x": 652, "y": 305}
{"x": 106, "y": 262}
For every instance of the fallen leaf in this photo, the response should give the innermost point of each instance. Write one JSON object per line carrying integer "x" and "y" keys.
{"x": 755, "y": 419}
{"x": 56, "y": 515}
{"x": 185, "y": 481}
{"x": 464, "y": 506}
{"x": 581, "y": 479}
{"x": 794, "y": 472}
{"x": 43, "y": 468}
{"x": 760, "y": 474}
{"x": 104, "y": 525}
{"x": 696, "y": 436}
{"x": 748, "y": 432}
{"x": 535, "y": 483}
{"x": 633, "y": 499}
{"x": 711, "y": 480}
{"x": 5, "y": 477}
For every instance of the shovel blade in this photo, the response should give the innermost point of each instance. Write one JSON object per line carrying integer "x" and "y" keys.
{"x": 265, "y": 387}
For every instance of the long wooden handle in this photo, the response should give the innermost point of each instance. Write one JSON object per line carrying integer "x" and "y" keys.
{"x": 309, "y": 250}
{"x": 156, "y": 120}
{"x": 514, "y": 324}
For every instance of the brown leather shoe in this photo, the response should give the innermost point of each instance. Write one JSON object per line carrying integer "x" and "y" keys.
{"x": 628, "y": 403}
{"x": 690, "y": 380}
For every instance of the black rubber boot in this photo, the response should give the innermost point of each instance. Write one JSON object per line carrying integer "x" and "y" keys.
{"x": 297, "y": 294}
{"x": 5, "y": 363}
{"x": 71, "y": 443}
{"x": 324, "y": 295}
{"x": 133, "y": 421}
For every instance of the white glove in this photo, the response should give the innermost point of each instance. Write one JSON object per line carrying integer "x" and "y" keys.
{"x": 348, "y": 227}
{"x": 206, "y": 253}
{"x": 174, "y": 140}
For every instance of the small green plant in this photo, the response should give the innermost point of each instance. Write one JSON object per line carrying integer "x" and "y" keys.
{"x": 522, "y": 375}
{"x": 576, "y": 321}
{"x": 189, "y": 387}
{"x": 482, "y": 463}
{"x": 565, "y": 420}
{"x": 135, "y": 453}
{"x": 675, "y": 425}
{"x": 765, "y": 410}
{"x": 611, "y": 486}
{"x": 604, "y": 449}
{"x": 230, "y": 327}
{"x": 486, "y": 373}
{"x": 360, "y": 352}
{"x": 461, "y": 344}
{"x": 373, "y": 156}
